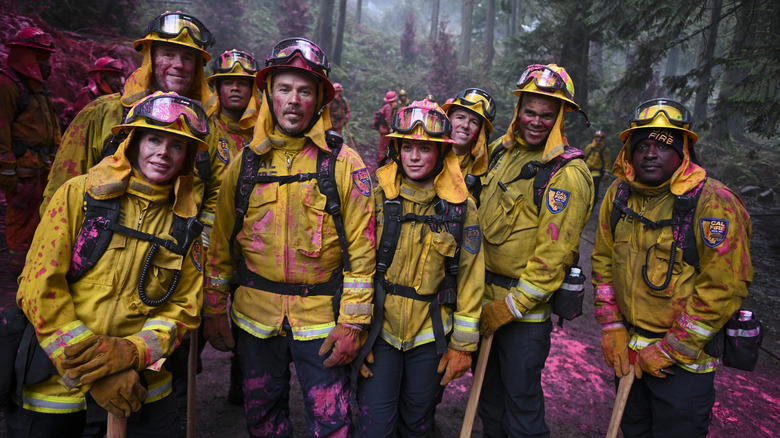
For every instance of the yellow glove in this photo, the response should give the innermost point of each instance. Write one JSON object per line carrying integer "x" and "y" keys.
{"x": 494, "y": 315}
{"x": 121, "y": 393}
{"x": 217, "y": 331}
{"x": 456, "y": 363}
{"x": 614, "y": 346}
{"x": 652, "y": 360}
{"x": 346, "y": 340}
{"x": 97, "y": 357}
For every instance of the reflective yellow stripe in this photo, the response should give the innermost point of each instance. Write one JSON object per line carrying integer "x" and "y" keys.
{"x": 159, "y": 390}
{"x": 531, "y": 291}
{"x": 48, "y": 404}
{"x": 71, "y": 334}
{"x": 704, "y": 365}
{"x": 252, "y": 327}
{"x": 309, "y": 332}
{"x": 424, "y": 336}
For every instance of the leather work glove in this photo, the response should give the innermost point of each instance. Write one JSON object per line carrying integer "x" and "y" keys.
{"x": 614, "y": 346}
{"x": 494, "y": 315}
{"x": 456, "y": 363}
{"x": 121, "y": 393}
{"x": 346, "y": 340}
{"x": 97, "y": 357}
{"x": 652, "y": 360}
{"x": 217, "y": 331}
{"x": 364, "y": 370}
{"x": 8, "y": 183}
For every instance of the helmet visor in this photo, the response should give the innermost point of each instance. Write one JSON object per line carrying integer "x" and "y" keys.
{"x": 433, "y": 122}
{"x": 228, "y": 60}
{"x": 675, "y": 112}
{"x": 311, "y": 52}
{"x": 546, "y": 78}
{"x": 474, "y": 96}
{"x": 41, "y": 39}
{"x": 164, "y": 110}
{"x": 171, "y": 25}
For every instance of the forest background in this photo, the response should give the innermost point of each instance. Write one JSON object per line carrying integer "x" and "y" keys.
{"x": 719, "y": 57}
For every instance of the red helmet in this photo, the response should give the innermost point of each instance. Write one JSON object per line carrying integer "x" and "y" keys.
{"x": 108, "y": 64}
{"x": 35, "y": 38}
{"x": 302, "y": 54}
{"x": 599, "y": 133}
{"x": 337, "y": 86}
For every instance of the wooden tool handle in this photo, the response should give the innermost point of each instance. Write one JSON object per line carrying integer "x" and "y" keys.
{"x": 624, "y": 387}
{"x": 476, "y": 388}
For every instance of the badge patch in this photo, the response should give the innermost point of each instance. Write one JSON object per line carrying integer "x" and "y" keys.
{"x": 713, "y": 231}
{"x": 362, "y": 181}
{"x": 472, "y": 238}
{"x": 196, "y": 256}
{"x": 557, "y": 200}
{"x": 222, "y": 150}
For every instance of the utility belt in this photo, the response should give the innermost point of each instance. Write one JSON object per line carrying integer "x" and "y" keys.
{"x": 434, "y": 308}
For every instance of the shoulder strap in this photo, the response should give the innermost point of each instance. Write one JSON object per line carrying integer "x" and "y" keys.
{"x": 619, "y": 205}
{"x": 392, "y": 211}
{"x": 454, "y": 217}
{"x": 203, "y": 165}
{"x": 546, "y": 172}
{"x": 497, "y": 153}
{"x": 250, "y": 164}
{"x": 116, "y": 139}
{"x": 24, "y": 92}
{"x": 326, "y": 180}
{"x": 95, "y": 235}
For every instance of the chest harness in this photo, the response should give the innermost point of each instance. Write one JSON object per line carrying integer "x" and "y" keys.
{"x": 681, "y": 222}
{"x": 101, "y": 220}
{"x": 326, "y": 181}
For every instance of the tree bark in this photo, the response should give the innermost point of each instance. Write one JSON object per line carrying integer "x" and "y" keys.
{"x": 575, "y": 51}
{"x": 340, "y": 32}
{"x": 465, "y": 34}
{"x": 490, "y": 51}
{"x": 359, "y": 10}
{"x": 435, "y": 19}
{"x": 325, "y": 26}
{"x": 709, "y": 39}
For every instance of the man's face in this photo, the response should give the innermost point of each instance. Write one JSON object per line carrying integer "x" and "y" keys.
{"x": 235, "y": 92}
{"x": 419, "y": 159}
{"x": 44, "y": 63}
{"x": 598, "y": 141}
{"x": 295, "y": 101}
{"x": 654, "y": 162}
{"x": 537, "y": 118}
{"x": 113, "y": 81}
{"x": 465, "y": 126}
{"x": 174, "y": 67}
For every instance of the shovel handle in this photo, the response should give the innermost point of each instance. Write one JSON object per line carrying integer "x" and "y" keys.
{"x": 117, "y": 426}
{"x": 476, "y": 387}
{"x": 624, "y": 388}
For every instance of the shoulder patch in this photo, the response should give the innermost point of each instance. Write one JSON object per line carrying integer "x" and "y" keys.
{"x": 472, "y": 238}
{"x": 713, "y": 231}
{"x": 362, "y": 181}
{"x": 196, "y": 256}
{"x": 222, "y": 150}
{"x": 557, "y": 200}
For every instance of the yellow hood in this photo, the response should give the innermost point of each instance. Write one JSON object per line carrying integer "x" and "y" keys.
{"x": 555, "y": 141}
{"x": 249, "y": 117}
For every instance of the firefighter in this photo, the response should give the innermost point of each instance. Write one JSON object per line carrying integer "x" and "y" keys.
{"x": 230, "y": 128}
{"x": 472, "y": 113}
{"x": 29, "y": 137}
{"x": 531, "y": 229}
{"x": 339, "y": 109}
{"x": 106, "y": 320}
{"x": 174, "y": 48}
{"x": 597, "y": 159}
{"x": 663, "y": 291}
{"x": 403, "y": 99}
{"x": 430, "y": 289}
{"x": 385, "y": 116}
{"x": 105, "y": 77}
{"x": 294, "y": 222}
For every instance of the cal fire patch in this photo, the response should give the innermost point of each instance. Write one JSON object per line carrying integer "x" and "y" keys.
{"x": 472, "y": 238}
{"x": 196, "y": 256}
{"x": 361, "y": 181}
{"x": 557, "y": 200}
{"x": 222, "y": 150}
{"x": 713, "y": 231}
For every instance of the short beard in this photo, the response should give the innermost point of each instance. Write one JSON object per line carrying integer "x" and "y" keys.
{"x": 297, "y": 133}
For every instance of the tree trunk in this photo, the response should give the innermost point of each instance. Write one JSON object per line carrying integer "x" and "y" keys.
{"x": 340, "y": 32}
{"x": 325, "y": 26}
{"x": 490, "y": 51}
{"x": 672, "y": 61}
{"x": 435, "y": 19}
{"x": 359, "y": 10}
{"x": 709, "y": 38}
{"x": 575, "y": 51}
{"x": 465, "y": 34}
{"x": 513, "y": 17}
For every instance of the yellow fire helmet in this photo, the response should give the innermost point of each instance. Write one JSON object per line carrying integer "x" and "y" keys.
{"x": 660, "y": 113}
{"x": 234, "y": 63}
{"x": 171, "y": 113}
{"x": 478, "y": 101}
{"x": 548, "y": 80}
{"x": 178, "y": 28}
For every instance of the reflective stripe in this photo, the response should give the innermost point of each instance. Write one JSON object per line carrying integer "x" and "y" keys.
{"x": 159, "y": 390}
{"x": 150, "y": 337}
{"x": 534, "y": 292}
{"x": 422, "y": 337}
{"x": 538, "y": 315}
{"x": 47, "y": 404}
{"x": 605, "y": 289}
{"x": 697, "y": 328}
{"x": 510, "y": 301}
{"x": 740, "y": 333}
{"x": 253, "y": 328}
{"x": 71, "y": 334}
{"x": 215, "y": 283}
{"x": 680, "y": 347}
{"x": 312, "y": 332}
{"x": 700, "y": 366}
{"x": 358, "y": 284}
{"x": 612, "y": 325}
{"x": 571, "y": 286}
{"x": 466, "y": 323}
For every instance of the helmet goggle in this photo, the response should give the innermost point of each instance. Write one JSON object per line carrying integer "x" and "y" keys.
{"x": 164, "y": 110}
{"x": 43, "y": 40}
{"x": 312, "y": 53}
{"x": 172, "y": 24}
{"x": 433, "y": 122}
{"x": 546, "y": 78}
{"x": 228, "y": 60}
{"x": 474, "y": 96}
{"x": 675, "y": 112}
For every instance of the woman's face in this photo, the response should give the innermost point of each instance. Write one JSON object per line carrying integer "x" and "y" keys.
{"x": 419, "y": 159}
{"x": 161, "y": 156}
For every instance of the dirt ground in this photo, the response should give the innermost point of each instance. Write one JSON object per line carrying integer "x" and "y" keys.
{"x": 578, "y": 386}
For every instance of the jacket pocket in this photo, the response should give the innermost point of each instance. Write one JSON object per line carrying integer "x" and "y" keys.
{"x": 658, "y": 268}
{"x": 161, "y": 272}
{"x": 499, "y": 221}
{"x": 100, "y": 274}
{"x": 308, "y": 235}
{"x": 436, "y": 248}
{"x": 259, "y": 221}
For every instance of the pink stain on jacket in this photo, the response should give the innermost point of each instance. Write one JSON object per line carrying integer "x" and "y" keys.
{"x": 553, "y": 231}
